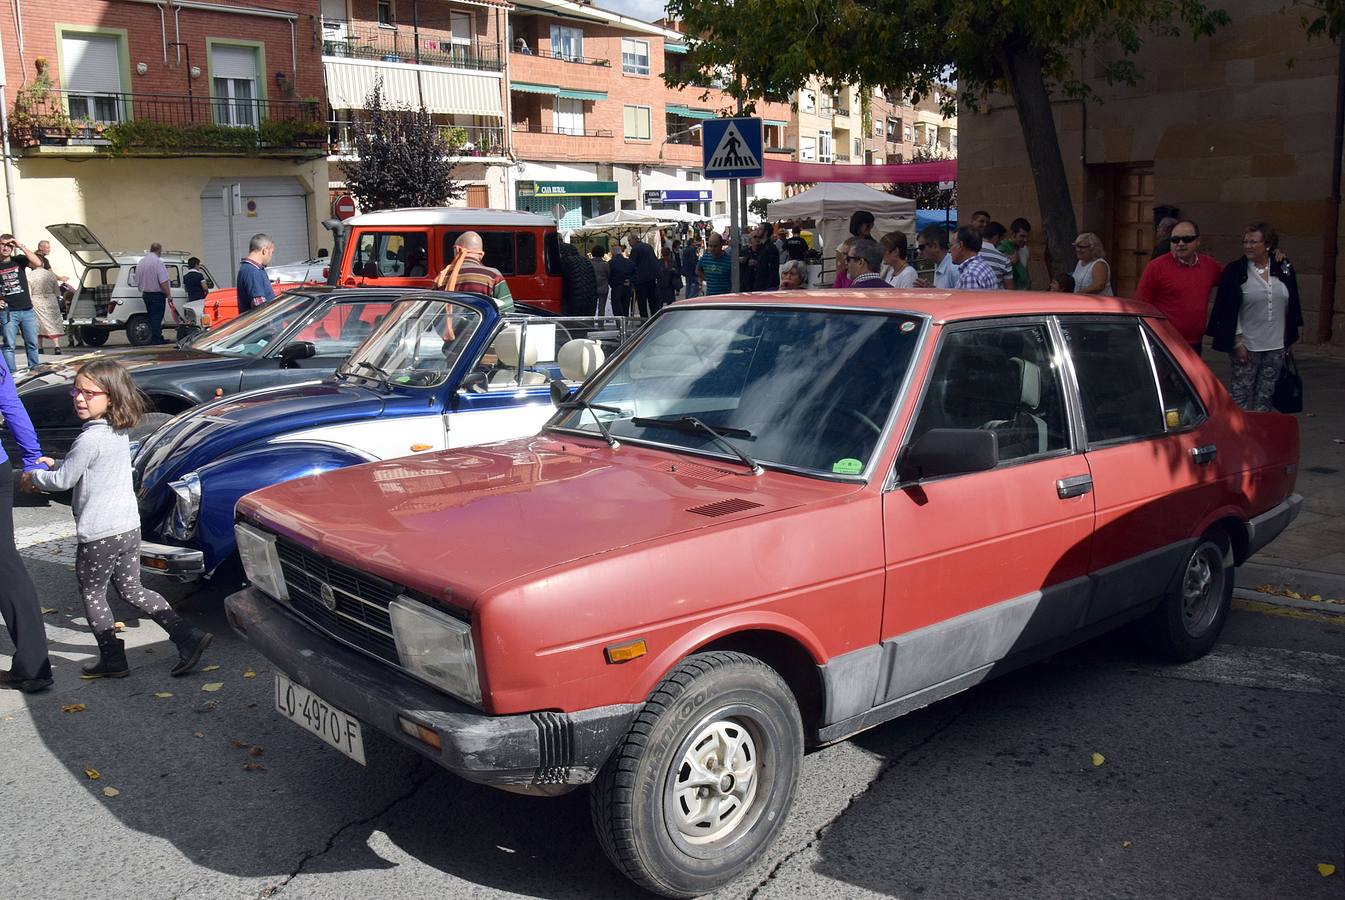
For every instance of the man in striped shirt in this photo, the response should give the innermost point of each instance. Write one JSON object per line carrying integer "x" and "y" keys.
{"x": 474, "y": 276}
{"x": 999, "y": 262}
{"x": 973, "y": 273}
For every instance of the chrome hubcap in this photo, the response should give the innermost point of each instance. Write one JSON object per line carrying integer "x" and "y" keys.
{"x": 1201, "y": 591}
{"x": 716, "y": 782}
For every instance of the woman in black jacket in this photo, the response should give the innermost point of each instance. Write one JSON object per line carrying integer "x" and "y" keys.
{"x": 1256, "y": 317}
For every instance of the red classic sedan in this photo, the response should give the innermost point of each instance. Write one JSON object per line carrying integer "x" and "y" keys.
{"x": 770, "y": 522}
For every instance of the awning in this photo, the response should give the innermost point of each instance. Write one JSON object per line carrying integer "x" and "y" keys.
{"x": 349, "y": 83}
{"x": 527, "y": 87}
{"x": 674, "y": 48}
{"x": 822, "y": 173}
{"x": 778, "y": 123}
{"x": 568, "y": 94}
{"x": 687, "y": 112}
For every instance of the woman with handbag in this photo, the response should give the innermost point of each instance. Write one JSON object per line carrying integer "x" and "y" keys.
{"x": 1256, "y": 317}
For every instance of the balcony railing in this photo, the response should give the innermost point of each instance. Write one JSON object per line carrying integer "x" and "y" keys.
{"x": 692, "y": 138}
{"x": 463, "y": 140}
{"x": 138, "y": 123}
{"x": 436, "y": 47}
{"x": 560, "y": 55}
{"x": 563, "y": 132}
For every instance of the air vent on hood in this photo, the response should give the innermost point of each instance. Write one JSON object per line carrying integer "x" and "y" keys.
{"x": 724, "y": 507}
{"x": 694, "y": 470}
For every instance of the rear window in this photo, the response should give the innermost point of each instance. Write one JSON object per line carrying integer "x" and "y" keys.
{"x": 512, "y": 252}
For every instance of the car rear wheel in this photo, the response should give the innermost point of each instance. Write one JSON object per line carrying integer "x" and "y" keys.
{"x": 1188, "y": 621}
{"x": 701, "y": 784}
{"x": 94, "y": 337}
{"x": 137, "y": 331}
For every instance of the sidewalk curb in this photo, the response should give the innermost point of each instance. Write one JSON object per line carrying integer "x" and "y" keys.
{"x": 1330, "y": 609}
{"x": 1251, "y": 576}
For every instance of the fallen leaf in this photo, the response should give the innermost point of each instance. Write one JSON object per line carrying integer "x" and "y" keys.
{"x": 239, "y": 744}
{"x": 255, "y": 751}
{"x": 92, "y": 773}
{"x": 1316, "y": 598}
{"x": 1293, "y": 595}
{"x": 48, "y": 610}
{"x": 73, "y": 707}
{"x": 209, "y": 668}
{"x": 1265, "y": 589}
{"x": 110, "y": 792}
{"x": 248, "y": 673}
{"x": 162, "y": 695}
{"x": 1125, "y": 845}
{"x": 1326, "y": 870}
{"x": 119, "y": 626}
{"x": 212, "y": 686}
{"x": 254, "y": 767}
{"x": 198, "y": 734}
{"x": 1098, "y": 759}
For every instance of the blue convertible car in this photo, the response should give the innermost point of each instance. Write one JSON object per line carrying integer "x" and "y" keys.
{"x": 439, "y": 371}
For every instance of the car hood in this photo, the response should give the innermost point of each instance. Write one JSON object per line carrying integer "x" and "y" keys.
{"x": 208, "y": 432}
{"x": 133, "y": 359}
{"x": 456, "y": 525}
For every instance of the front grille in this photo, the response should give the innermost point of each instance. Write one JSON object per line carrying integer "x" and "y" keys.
{"x": 360, "y": 617}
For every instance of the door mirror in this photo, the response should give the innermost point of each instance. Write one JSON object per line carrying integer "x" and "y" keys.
{"x": 475, "y": 383}
{"x": 290, "y": 356}
{"x": 560, "y": 392}
{"x": 949, "y": 451}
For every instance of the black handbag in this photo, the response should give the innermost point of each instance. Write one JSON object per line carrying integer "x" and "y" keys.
{"x": 1288, "y": 395}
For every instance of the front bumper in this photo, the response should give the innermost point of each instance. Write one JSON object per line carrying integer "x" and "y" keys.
{"x": 182, "y": 563}
{"x": 1266, "y": 527}
{"x": 539, "y": 753}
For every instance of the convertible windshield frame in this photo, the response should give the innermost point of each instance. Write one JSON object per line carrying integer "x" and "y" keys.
{"x": 924, "y": 327}
{"x": 269, "y": 310}
{"x": 404, "y": 309}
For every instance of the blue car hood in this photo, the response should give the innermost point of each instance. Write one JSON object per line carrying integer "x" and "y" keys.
{"x": 209, "y": 432}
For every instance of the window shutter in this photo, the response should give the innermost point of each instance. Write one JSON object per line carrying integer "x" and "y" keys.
{"x": 234, "y": 62}
{"x": 92, "y": 63}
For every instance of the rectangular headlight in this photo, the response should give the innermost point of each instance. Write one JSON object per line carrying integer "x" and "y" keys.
{"x": 257, "y": 549}
{"x": 436, "y": 647}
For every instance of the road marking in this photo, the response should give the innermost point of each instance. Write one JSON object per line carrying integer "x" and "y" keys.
{"x": 1297, "y": 671}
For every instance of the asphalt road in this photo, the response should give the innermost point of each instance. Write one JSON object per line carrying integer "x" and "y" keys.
{"x": 1222, "y": 778}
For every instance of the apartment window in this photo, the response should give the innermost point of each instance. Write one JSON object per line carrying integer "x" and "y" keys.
{"x": 859, "y": 148}
{"x": 567, "y": 43}
{"x": 637, "y": 123}
{"x": 461, "y": 25}
{"x": 387, "y": 13}
{"x": 634, "y": 57}
{"x": 808, "y": 149}
{"x": 92, "y": 64}
{"x": 235, "y": 85}
{"x": 808, "y": 101}
{"x": 906, "y": 134}
{"x": 569, "y": 116}
{"x": 824, "y": 153}
{"x": 721, "y": 207}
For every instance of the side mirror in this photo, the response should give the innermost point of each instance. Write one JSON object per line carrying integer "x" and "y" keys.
{"x": 475, "y": 383}
{"x": 290, "y": 356}
{"x": 949, "y": 451}
{"x": 560, "y": 392}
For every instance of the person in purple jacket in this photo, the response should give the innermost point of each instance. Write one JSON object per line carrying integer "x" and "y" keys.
{"x": 30, "y": 669}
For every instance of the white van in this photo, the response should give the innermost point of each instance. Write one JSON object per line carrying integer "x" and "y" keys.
{"x": 109, "y": 297}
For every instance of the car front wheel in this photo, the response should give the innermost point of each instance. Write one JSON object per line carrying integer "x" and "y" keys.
{"x": 701, "y": 784}
{"x": 1188, "y": 621}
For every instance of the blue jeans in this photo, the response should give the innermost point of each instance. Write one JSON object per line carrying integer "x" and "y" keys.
{"x": 11, "y": 321}
{"x": 155, "y": 304}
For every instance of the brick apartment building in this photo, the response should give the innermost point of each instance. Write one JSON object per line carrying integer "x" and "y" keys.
{"x": 1230, "y": 129}
{"x": 134, "y": 117}
{"x": 448, "y": 57}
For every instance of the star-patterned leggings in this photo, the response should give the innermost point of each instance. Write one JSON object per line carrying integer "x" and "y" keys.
{"x": 115, "y": 559}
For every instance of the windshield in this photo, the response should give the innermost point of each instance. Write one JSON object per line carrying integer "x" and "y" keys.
{"x": 417, "y": 344}
{"x": 255, "y": 330}
{"x": 807, "y": 389}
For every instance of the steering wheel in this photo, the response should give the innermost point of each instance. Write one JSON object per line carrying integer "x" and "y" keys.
{"x": 863, "y": 420}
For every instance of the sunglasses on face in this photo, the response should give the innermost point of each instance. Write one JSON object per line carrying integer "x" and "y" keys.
{"x": 1183, "y": 238}
{"x": 853, "y": 258}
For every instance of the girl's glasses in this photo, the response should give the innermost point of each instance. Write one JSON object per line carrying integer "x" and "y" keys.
{"x": 86, "y": 393}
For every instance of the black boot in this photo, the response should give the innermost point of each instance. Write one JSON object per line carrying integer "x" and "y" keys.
{"x": 112, "y": 658}
{"x": 191, "y": 642}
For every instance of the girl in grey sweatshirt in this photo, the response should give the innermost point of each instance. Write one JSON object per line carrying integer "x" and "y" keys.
{"x": 107, "y": 521}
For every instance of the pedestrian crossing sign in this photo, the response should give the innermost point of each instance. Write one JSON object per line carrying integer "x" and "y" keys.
{"x": 731, "y": 148}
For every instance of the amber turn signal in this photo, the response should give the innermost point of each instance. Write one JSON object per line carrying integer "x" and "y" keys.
{"x": 619, "y": 653}
{"x": 419, "y": 732}
{"x": 416, "y": 448}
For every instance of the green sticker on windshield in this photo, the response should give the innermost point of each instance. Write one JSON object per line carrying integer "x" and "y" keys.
{"x": 847, "y": 466}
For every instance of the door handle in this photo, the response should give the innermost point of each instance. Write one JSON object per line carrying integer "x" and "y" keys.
{"x": 1074, "y": 486}
{"x": 1204, "y": 454}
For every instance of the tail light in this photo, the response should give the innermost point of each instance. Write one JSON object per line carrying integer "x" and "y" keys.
{"x": 326, "y": 272}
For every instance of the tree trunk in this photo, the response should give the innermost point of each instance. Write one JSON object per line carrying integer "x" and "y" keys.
{"x": 1022, "y": 70}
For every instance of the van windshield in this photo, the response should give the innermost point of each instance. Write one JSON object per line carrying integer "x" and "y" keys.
{"x": 255, "y": 330}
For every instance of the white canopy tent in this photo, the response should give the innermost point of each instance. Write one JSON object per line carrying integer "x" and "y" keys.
{"x": 831, "y": 204}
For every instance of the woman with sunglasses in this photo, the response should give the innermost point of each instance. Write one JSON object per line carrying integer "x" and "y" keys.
{"x": 1092, "y": 274}
{"x": 107, "y": 520}
{"x": 1256, "y": 317}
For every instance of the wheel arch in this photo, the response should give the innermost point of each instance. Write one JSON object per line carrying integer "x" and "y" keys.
{"x": 169, "y": 402}
{"x": 1233, "y": 526}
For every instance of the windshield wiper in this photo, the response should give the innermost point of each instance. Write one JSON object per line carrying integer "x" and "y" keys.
{"x": 693, "y": 425}
{"x": 382, "y": 373}
{"x": 594, "y": 408}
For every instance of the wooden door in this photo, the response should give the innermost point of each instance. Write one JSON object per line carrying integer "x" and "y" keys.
{"x": 478, "y": 196}
{"x": 1132, "y": 228}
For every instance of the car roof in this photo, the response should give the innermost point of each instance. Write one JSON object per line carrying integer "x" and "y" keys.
{"x": 131, "y": 257}
{"x": 431, "y": 215}
{"x": 939, "y": 305}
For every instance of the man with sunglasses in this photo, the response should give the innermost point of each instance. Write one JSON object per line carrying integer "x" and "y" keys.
{"x": 863, "y": 263}
{"x": 1181, "y": 282}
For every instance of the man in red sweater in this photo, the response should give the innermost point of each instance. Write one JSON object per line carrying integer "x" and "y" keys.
{"x": 1180, "y": 283}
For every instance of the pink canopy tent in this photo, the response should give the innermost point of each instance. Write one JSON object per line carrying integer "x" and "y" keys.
{"x": 820, "y": 173}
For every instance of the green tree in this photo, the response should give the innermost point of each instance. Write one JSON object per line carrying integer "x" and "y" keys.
{"x": 759, "y": 206}
{"x": 926, "y": 194}
{"x": 404, "y": 159}
{"x": 1029, "y": 48}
